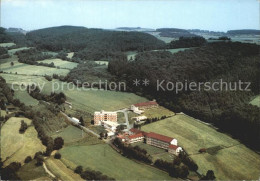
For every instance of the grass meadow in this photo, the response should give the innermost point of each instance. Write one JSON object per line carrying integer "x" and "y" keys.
{"x": 16, "y": 146}
{"x": 60, "y": 63}
{"x": 103, "y": 158}
{"x": 193, "y": 135}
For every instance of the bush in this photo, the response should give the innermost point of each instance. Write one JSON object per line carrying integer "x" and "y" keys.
{"x": 57, "y": 156}
{"x": 28, "y": 159}
{"x": 78, "y": 169}
{"x": 23, "y": 127}
{"x": 58, "y": 143}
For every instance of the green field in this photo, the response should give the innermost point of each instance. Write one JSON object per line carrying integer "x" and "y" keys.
{"x": 6, "y": 44}
{"x": 157, "y": 112}
{"x": 31, "y": 172}
{"x": 256, "y": 101}
{"x": 60, "y": 63}
{"x": 103, "y": 158}
{"x": 24, "y": 97}
{"x": 13, "y": 51}
{"x": 26, "y": 69}
{"x": 16, "y": 146}
{"x": 70, "y": 134}
{"x": 193, "y": 135}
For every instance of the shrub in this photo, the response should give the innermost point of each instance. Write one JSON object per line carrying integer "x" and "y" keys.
{"x": 57, "y": 156}
{"x": 28, "y": 159}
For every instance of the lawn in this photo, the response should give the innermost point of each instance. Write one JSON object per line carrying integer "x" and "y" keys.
{"x": 60, "y": 63}
{"x": 18, "y": 146}
{"x": 6, "y": 44}
{"x": 256, "y": 101}
{"x": 193, "y": 135}
{"x": 103, "y": 158}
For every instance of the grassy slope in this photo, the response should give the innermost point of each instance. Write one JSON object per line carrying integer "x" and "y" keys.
{"x": 18, "y": 146}
{"x": 60, "y": 170}
{"x": 60, "y": 63}
{"x": 193, "y": 135}
{"x": 31, "y": 172}
{"x": 103, "y": 158}
{"x": 6, "y": 44}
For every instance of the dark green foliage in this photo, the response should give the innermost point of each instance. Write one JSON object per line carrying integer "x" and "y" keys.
{"x": 209, "y": 176}
{"x": 28, "y": 159}
{"x": 187, "y": 42}
{"x": 58, "y": 98}
{"x": 89, "y": 174}
{"x": 57, "y": 156}
{"x": 58, "y": 143}
{"x": 78, "y": 169}
{"x": 4, "y": 38}
{"x": 9, "y": 172}
{"x": 229, "y": 61}
{"x": 31, "y": 56}
{"x": 92, "y": 44}
{"x": 23, "y": 127}
{"x": 174, "y": 32}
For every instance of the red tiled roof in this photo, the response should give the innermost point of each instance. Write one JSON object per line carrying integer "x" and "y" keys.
{"x": 142, "y": 104}
{"x": 173, "y": 147}
{"x": 134, "y": 130}
{"x": 159, "y": 137}
{"x": 135, "y": 136}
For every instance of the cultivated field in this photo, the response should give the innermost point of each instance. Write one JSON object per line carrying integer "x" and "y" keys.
{"x": 193, "y": 135}
{"x": 16, "y": 146}
{"x": 6, "y": 44}
{"x": 103, "y": 158}
{"x": 60, "y": 63}
{"x": 24, "y": 97}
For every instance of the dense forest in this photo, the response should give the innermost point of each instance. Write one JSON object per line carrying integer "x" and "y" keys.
{"x": 228, "y": 109}
{"x": 174, "y": 32}
{"x": 187, "y": 42}
{"x": 92, "y": 44}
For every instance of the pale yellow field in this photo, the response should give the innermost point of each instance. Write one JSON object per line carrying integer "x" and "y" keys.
{"x": 61, "y": 63}
{"x": 70, "y": 55}
{"x": 102, "y": 62}
{"x": 16, "y": 146}
{"x": 6, "y": 44}
{"x": 234, "y": 161}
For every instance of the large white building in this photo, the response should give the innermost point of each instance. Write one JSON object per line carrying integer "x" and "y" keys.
{"x": 101, "y": 116}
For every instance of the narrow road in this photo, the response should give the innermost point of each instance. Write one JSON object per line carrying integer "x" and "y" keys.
{"x": 48, "y": 171}
{"x": 126, "y": 117}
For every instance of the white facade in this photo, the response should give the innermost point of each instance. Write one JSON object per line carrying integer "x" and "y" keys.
{"x": 75, "y": 120}
{"x": 111, "y": 126}
{"x": 136, "y": 109}
{"x": 140, "y": 118}
{"x": 174, "y": 142}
